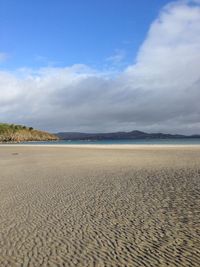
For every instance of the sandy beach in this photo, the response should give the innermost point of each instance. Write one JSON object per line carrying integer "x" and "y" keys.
{"x": 85, "y": 206}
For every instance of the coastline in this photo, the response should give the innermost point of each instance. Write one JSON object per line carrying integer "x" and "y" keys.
{"x": 103, "y": 146}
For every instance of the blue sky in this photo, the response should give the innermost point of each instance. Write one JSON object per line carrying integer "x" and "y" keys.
{"x": 64, "y": 32}
{"x": 101, "y": 66}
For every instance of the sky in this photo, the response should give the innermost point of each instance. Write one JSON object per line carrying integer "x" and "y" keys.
{"x": 101, "y": 66}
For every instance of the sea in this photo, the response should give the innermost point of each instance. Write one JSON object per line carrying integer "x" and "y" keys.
{"x": 171, "y": 141}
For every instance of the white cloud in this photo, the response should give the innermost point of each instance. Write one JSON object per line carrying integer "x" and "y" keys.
{"x": 118, "y": 56}
{"x": 170, "y": 55}
{"x": 160, "y": 92}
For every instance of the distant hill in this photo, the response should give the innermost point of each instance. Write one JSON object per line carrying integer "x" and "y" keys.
{"x": 119, "y": 135}
{"x": 20, "y": 133}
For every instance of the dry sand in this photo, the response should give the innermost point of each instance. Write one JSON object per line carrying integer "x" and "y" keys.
{"x": 72, "y": 206}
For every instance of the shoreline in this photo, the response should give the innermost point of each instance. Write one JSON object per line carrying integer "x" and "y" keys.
{"x": 105, "y": 146}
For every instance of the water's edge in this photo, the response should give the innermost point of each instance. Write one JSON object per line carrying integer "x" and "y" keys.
{"x": 170, "y": 141}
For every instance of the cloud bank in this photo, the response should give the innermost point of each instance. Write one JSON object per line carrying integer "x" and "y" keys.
{"x": 159, "y": 92}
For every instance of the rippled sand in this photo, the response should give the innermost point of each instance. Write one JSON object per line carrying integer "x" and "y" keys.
{"x": 63, "y": 206}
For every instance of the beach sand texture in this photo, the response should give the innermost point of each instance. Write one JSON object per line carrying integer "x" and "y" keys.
{"x": 65, "y": 206}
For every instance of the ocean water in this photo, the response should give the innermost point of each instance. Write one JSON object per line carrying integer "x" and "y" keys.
{"x": 181, "y": 141}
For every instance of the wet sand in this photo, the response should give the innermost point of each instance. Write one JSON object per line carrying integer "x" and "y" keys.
{"x": 85, "y": 206}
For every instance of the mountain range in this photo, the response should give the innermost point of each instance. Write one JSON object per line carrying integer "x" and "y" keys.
{"x": 119, "y": 135}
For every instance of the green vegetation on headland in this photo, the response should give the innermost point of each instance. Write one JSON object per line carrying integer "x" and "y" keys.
{"x": 19, "y": 133}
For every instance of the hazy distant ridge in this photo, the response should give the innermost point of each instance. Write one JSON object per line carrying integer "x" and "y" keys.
{"x": 119, "y": 135}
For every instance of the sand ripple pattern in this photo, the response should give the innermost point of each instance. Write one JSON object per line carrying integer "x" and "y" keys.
{"x": 90, "y": 207}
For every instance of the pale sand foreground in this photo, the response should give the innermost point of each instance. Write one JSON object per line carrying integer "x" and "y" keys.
{"x": 70, "y": 206}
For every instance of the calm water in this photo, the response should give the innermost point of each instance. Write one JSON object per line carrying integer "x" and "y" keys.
{"x": 182, "y": 141}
